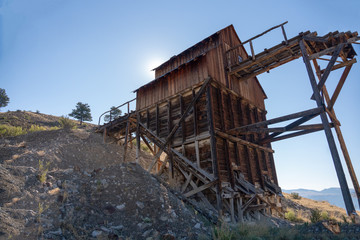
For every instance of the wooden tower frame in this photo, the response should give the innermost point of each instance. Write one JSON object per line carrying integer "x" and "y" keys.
{"x": 214, "y": 130}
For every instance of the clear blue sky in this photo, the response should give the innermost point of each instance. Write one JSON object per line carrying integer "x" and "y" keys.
{"x": 55, "y": 53}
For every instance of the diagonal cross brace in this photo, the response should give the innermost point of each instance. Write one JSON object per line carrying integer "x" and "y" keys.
{"x": 329, "y": 67}
{"x": 289, "y": 127}
{"x": 276, "y": 120}
{"x": 176, "y": 127}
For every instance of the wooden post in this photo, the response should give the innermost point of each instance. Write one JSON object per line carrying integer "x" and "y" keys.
{"x": 341, "y": 139}
{"x": 240, "y": 212}
{"x": 197, "y": 153}
{"x": 335, "y": 155}
{"x": 232, "y": 209}
{"x": 284, "y": 34}
{"x": 104, "y": 135}
{"x": 213, "y": 148}
{"x": 138, "y": 142}
{"x": 252, "y": 51}
{"x": 126, "y": 137}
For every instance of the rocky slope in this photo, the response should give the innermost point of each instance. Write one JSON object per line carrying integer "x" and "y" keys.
{"x": 70, "y": 185}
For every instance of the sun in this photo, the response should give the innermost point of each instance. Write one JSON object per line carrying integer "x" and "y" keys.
{"x": 151, "y": 64}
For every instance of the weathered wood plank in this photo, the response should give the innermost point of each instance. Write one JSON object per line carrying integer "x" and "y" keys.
{"x": 241, "y": 141}
{"x": 277, "y": 120}
{"x": 201, "y": 188}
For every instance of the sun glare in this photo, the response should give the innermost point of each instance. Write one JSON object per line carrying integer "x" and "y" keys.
{"x": 151, "y": 64}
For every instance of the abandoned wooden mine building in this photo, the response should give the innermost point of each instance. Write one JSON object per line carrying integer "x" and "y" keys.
{"x": 205, "y": 110}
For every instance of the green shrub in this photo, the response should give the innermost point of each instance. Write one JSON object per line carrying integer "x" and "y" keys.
{"x": 295, "y": 195}
{"x": 290, "y": 215}
{"x": 36, "y": 128}
{"x": 315, "y": 216}
{"x": 66, "y": 123}
{"x": 10, "y": 131}
{"x": 324, "y": 215}
{"x": 43, "y": 170}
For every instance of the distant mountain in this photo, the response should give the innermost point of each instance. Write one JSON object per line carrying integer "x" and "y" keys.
{"x": 331, "y": 195}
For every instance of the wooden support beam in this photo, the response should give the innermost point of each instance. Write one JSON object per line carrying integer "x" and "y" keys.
{"x": 243, "y": 142}
{"x": 329, "y": 67}
{"x": 197, "y": 153}
{"x": 148, "y": 145}
{"x": 252, "y": 51}
{"x": 186, "y": 184}
{"x": 215, "y": 166}
{"x": 341, "y": 65}
{"x": 282, "y": 129}
{"x": 157, "y": 129}
{"x": 195, "y": 115}
{"x": 335, "y": 155}
{"x": 330, "y": 50}
{"x": 310, "y": 112}
{"x": 246, "y": 205}
{"x": 104, "y": 135}
{"x": 289, "y": 127}
{"x": 125, "y": 143}
{"x": 291, "y": 135}
{"x": 138, "y": 143}
{"x": 339, "y": 133}
{"x": 201, "y": 188}
{"x": 284, "y": 34}
{"x": 185, "y": 161}
{"x": 193, "y": 184}
{"x": 176, "y": 127}
{"x": 339, "y": 87}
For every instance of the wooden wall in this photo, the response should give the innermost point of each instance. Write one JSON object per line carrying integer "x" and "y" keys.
{"x": 193, "y": 137}
{"x": 177, "y": 81}
{"x": 232, "y": 111}
{"x": 207, "y": 58}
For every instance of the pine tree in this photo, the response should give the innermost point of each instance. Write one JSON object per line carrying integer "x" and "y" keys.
{"x": 114, "y": 113}
{"x": 81, "y": 112}
{"x": 4, "y": 99}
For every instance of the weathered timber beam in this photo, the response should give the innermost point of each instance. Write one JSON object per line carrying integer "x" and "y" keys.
{"x": 215, "y": 167}
{"x": 243, "y": 142}
{"x": 289, "y": 127}
{"x": 291, "y": 135}
{"x": 176, "y": 127}
{"x": 246, "y": 205}
{"x": 331, "y": 49}
{"x": 341, "y": 65}
{"x": 191, "y": 182}
{"x": 276, "y": 120}
{"x": 201, "y": 188}
{"x": 331, "y": 142}
{"x": 148, "y": 145}
{"x": 315, "y": 39}
{"x": 282, "y": 129}
{"x": 341, "y": 139}
{"x": 329, "y": 67}
{"x": 179, "y": 155}
{"x": 126, "y": 139}
{"x": 339, "y": 87}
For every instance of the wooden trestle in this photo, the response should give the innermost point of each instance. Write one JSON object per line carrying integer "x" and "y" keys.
{"x": 218, "y": 144}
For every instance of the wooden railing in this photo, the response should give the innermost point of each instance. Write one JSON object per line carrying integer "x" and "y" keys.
{"x": 128, "y": 109}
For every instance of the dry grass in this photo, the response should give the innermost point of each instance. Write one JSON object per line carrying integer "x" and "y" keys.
{"x": 303, "y": 212}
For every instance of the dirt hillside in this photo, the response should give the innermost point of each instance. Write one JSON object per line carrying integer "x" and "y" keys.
{"x": 70, "y": 185}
